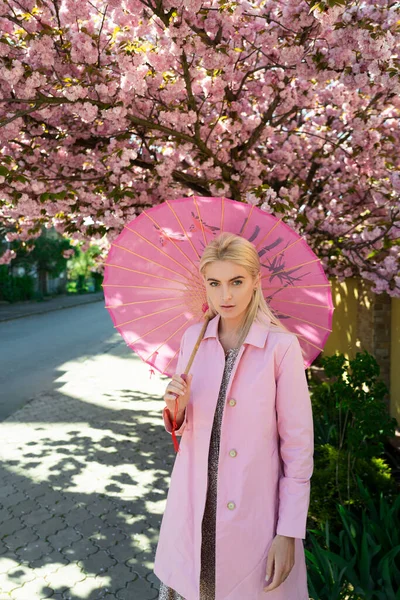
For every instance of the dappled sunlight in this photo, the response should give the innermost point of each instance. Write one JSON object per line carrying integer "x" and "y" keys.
{"x": 87, "y": 467}
{"x": 105, "y": 373}
{"x": 105, "y": 409}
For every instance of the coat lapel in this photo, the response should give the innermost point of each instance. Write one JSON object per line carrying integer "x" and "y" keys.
{"x": 256, "y": 336}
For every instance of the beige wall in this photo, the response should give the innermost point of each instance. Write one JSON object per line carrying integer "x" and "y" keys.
{"x": 343, "y": 337}
{"x": 359, "y": 321}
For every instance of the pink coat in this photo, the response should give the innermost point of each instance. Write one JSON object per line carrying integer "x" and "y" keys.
{"x": 263, "y": 489}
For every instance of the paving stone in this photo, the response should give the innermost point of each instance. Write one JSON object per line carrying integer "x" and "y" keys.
{"x": 12, "y": 499}
{"x": 64, "y": 538}
{"x": 141, "y": 542}
{"x": 8, "y": 585}
{"x": 49, "y": 563}
{"x": 25, "y": 507}
{"x": 6, "y": 564}
{"x": 138, "y": 589}
{"x": 7, "y": 477}
{"x": 6, "y": 490}
{"x": 102, "y": 507}
{"x": 20, "y": 538}
{"x": 17, "y": 577}
{"x": 50, "y": 499}
{"x": 77, "y": 515}
{"x": 35, "y": 589}
{"x": 11, "y": 526}
{"x": 152, "y": 578}
{"x": 14, "y": 580}
{"x": 80, "y": 550}
{"x": 61, "y": 508}
{"x": 154, "y": 521}
{"x": 91, "y": 526}
{"x": 52, "y": 526}
{"x": 65, "y": 578}
{"x": 25, "y": 486}
{"x": 3, "y": 549}
{"x": 108, "y": 537}
{"x": 135, "y": 523}
{"x": 78, "y": 485}
{"x": 34, "y": 550}
{"x": 138, "y": 566}
{"x": 122, "y": 551}
{"x": 117, "y": 577}
{"x": 114, "y": 520}
{"x": 88, "y": 588}
{"x": 39, "y": 490}
{"x": 36, "y": 517}
{"x": 101, "y": 561}
{"x": 5, "y": 514}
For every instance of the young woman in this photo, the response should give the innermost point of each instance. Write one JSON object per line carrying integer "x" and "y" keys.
{"x": 236, "y": 510}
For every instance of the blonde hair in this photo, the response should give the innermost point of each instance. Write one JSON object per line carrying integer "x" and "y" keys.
{"x": 237, "y": 249}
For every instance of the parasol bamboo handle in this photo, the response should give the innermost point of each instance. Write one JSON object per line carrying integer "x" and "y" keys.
{"x": 184, "y": 376}
{"x": 196, "y": 346}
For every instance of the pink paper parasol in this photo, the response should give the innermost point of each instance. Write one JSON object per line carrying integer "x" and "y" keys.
{"x": 153, "y": 289}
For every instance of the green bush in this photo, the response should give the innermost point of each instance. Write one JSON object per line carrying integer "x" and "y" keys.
{"x": 362, "y": 560}
{"x": 81, "y": 269}
{"x": 98, "y": 280}
{"x": 329, "y": 482}
{"x": 351, "y": 423}
{"x": 14, "y": 289}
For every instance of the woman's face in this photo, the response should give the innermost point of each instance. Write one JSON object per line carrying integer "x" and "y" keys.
{"x": 228, "y": 283}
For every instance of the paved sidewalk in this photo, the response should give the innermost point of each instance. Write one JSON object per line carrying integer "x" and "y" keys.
{"x": 16, "y": 310}
{"x": 83, "y": 482}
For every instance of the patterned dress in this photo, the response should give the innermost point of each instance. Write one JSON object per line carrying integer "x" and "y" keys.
{"x": 207, "y": 575}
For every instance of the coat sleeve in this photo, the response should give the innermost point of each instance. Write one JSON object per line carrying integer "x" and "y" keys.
{"x": 296, "y": 433}
{"x": 167, "y": 417}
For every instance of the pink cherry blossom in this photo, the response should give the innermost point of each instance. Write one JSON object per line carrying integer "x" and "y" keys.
{"x": 7, "y": 257}
{"x": 68, "y": 253}
{"x": 268, "y": 104}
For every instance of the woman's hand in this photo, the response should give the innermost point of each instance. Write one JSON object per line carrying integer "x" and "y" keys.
{"x": 180, "y": 387}
{"x": 280, "y": 560}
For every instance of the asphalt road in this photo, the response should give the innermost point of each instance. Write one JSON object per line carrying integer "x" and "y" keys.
{"x": 37, "y": 351}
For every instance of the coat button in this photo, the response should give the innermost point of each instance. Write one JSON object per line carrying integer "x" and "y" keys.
{"x": 231, "y": 505}
{"x": 232, "y": 453}
{"x": 232, "y": 402}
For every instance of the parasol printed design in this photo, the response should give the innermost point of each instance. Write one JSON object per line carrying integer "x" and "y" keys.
{"x": 153, "y": 289}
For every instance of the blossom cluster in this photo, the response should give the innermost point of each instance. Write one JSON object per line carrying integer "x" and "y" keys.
{"x": 109, "y": 107}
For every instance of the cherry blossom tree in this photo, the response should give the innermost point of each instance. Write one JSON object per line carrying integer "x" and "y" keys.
{"x": 108, "y": 107}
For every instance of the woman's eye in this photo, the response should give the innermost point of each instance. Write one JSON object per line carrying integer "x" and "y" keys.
{"x": 237, "y": 281}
